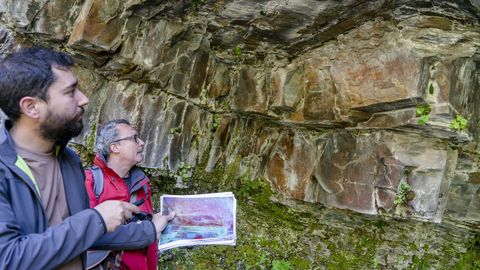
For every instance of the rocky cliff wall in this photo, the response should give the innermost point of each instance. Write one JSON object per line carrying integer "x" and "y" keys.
{"x": 355, "y": 105}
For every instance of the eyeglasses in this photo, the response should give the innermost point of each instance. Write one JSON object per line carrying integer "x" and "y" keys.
{"x": 133, "y": 138}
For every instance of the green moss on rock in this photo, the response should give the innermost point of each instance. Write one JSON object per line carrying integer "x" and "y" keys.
{"x": 87, "y": 150}
{"x": 271, "y": 235}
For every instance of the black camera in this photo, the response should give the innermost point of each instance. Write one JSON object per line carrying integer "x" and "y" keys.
{"x": 141, "y": 216}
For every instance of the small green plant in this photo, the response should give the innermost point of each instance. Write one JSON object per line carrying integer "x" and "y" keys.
{"x": 423, "y": 111}
{"x": 197, "y": 2}
{"x": 403, "y": 190}
{"x": 281, "y": 265}
{"x": 183, "y": 171}
{"x": 431, "y": 89}
{"x": 226, "y": 104}
{"x": 217, "y": 119}
{"x": 237, "y": 51}
{"x": 176, "y": 130}
{"x": 459, "y": 123}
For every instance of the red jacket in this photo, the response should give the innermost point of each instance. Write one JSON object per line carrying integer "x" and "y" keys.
{"x": 114, "y": 188}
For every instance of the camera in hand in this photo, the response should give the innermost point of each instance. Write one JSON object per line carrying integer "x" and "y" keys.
{"x": 141, "y": 215}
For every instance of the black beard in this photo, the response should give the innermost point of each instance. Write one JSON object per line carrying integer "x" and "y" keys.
{"x": 59, "y": 130}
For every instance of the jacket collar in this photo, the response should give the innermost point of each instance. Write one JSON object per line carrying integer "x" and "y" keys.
{"x": 7, "y": 146}
{"x": 9, "y": 157}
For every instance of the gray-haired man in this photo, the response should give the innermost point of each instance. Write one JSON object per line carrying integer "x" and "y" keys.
{"x": 119, "y": 149}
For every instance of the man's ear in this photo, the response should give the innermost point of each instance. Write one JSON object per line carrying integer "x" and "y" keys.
{"x": 30, "y": 107}
{"x": 113, "y": 148}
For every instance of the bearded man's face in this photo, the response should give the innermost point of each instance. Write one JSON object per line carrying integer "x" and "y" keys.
{"x": 63, "y": 114}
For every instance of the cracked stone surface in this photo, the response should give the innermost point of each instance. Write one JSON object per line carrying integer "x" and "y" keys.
{"x": 318, "y": 98}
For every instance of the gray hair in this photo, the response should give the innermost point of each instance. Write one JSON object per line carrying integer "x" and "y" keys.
{"x": 108, "y": 134}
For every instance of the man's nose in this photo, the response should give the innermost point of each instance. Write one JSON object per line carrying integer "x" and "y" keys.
{"x": 82, "y": 99}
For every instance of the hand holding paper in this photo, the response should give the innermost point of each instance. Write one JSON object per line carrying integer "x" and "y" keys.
{"x": 161, "y": 221}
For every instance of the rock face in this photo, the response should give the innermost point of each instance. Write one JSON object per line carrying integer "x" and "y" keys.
{"x": 320, "y": 98}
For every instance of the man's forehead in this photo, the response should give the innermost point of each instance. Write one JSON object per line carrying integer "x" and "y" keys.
{"x": 60, "y": 67}
{"x": 126, "y": 128}
{"x": 64, "y": 73}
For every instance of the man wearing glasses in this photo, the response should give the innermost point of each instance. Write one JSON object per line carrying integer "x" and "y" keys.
{"x": 118, "y": 151}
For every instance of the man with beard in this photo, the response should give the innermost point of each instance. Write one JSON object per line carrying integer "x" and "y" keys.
{"x": 45, "y": 221}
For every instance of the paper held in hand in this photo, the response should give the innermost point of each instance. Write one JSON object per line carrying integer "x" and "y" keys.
{"x": 202, "y": 219}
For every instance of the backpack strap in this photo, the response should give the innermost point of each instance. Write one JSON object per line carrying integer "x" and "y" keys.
{"x": 138, "y": 181}
{"x": 97, "y": 181}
